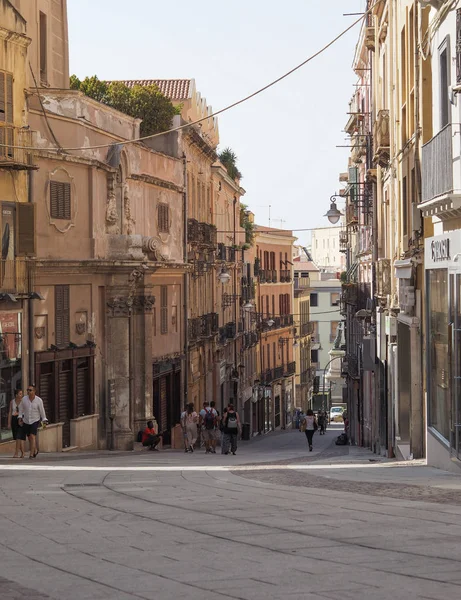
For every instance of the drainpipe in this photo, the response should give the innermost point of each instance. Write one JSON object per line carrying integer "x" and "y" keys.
{"x": 30, "y": 305}
{"x": 185, "y": 286}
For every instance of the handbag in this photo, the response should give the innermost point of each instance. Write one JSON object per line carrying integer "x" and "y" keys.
{"x": 315, "y": 425}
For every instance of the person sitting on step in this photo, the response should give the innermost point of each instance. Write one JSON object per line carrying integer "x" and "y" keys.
{"x": 150, "y": 437}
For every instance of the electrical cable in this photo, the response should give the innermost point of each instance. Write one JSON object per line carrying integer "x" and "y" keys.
{"x": 60, "y": 149}
{"x": 226, "y": 108}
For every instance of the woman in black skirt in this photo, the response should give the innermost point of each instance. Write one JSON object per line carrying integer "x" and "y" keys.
{"x": 16, "y": 429}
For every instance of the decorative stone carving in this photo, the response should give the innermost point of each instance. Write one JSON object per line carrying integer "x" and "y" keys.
{"x": 119, "y": 306}
{"x": 39, "y": 332}
{"x": 130, "y": 221}
{"x": 154, "y": 248}
{"x": 124, "y": 306}
{"x": 112, "y": 217}
{"x": 80, "y": 328}
{"x": 143, "y": 304}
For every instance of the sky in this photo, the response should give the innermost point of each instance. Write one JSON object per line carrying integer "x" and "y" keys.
{"x": 286, "y": 138}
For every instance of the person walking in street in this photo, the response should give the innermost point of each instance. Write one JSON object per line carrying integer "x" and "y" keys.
{"x": 310, "y": 427}
{"x": 322, "y": 422}
{"x": 31, "y": 412}
{"x": 208, "y": 420}
{"x": 216, "y": 432}
{"x": 150, "y": 437}
{"x": 189, "y": 419}
{"x": 13, "y": 424}
{"x": 231, "y": 429}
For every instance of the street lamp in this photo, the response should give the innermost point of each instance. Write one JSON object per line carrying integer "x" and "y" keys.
{"x": 224, "y": 276}
{"x": 334, "y": 214}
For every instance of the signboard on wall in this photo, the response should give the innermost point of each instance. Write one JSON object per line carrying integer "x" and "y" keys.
{"x": 442, "y": 251}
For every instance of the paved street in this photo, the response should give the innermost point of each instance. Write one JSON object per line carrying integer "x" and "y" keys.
{"x": 272, "y": 522}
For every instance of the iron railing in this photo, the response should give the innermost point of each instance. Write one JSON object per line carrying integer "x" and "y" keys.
{"x": 291, "y": 369}
{"x": 302, "y": 283}
{"x": 437, "y": 165}
{"x": 13, "y": 140}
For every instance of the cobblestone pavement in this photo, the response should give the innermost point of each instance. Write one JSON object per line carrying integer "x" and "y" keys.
{"x": 273, "y": 522}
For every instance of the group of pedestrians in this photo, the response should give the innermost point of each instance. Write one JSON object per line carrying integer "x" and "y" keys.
{"x": 25, "y": 415}
{"x": 211, "y": 426}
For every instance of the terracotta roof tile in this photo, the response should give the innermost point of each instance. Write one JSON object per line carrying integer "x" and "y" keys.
{"x": 174, "y": 89}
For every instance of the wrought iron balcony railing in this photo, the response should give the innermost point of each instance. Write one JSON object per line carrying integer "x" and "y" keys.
{"x": 291, "y": 369}
{"x": 285, "y": 276}
{"x": 12, "y": 141}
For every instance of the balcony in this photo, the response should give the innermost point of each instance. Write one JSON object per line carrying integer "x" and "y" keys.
{"x": 291, "y": 369}
{"x": 343, "y": 241}
{"x": 285, "y": 276}
{"x": 267, "y": 377}
{"x": 307, "y": 329}
{"x": 12, "y": 156}
{"x": 278, "y": 372}
{"x": 194, "y": 329}
{"x": 17, "y": 276}
{"x": 382, "y": 139}
{"x": 202, "y": 327}
{"x": 437, "y": 165}
{"x": 268, "y": 276}
{"x": 302, "y": 283}
{"x": 202, "y": 234}
{"x": 359, "y": 148}
{"x": 352, "y": 217}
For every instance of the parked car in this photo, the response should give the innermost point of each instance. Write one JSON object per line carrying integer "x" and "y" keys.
{"x": 336, "y": 414}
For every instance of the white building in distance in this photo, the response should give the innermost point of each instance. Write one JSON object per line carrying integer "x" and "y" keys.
{"x": 325, "y": 250}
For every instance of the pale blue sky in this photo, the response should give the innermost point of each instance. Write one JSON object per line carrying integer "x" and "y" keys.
{"x": 286, "y": 138}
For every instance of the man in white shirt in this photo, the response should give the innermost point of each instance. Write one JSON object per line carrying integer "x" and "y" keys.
{"x": 31, "y": 412}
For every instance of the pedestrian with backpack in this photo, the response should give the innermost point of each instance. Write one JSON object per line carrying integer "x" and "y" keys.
{"x": 231, "y": 430}
{"x": 208, "y": 422}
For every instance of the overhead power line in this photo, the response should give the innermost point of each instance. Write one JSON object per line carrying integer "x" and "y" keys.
{"x": 226, "y": 108}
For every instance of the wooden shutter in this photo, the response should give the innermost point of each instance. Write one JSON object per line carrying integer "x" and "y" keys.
{"x": 2, "y": 98}
{"x": 25, "y": 228}
{"x": 83, "y": 396}
{"x": 163, "y": 215}
{"x": 62, "y": 315}
{"x": 9, "y": 97}
{"x": 60, "y": 200}
{"x": 163, "y": 309}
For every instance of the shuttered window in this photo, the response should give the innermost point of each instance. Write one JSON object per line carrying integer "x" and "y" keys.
{"x": 163, "y": 309}
{"x": 163, "y": 214}
{"x": 6, "y": 97}
{"x": 60, "y": 198}
{"x": 25, "y": 227}
{"x": 62, "y": 315}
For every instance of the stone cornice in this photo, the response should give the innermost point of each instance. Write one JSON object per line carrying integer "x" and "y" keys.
{"x": 156, "y": 181}
{"x": 15, "y": 38}
{"x": 95, "y": 266}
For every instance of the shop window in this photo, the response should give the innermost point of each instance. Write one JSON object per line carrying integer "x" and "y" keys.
{"x": 60, "y": 199}
{"x": 62, "y": 315}
{"x": 163, "y": 218}
{"x": 439, "y": 374}
{"x": 163, "y": 309}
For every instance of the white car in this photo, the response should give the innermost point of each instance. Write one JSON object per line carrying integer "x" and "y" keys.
{"x": 336, "y": 413}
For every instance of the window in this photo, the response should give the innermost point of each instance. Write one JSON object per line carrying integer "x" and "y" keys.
{"x": 163, "y": 218}
{"x": 62, "y": 315}
{"x": 314, "y": 299}
{"x": 60, "y": 200}
{"x": 314, "y": 356}
{"x": 163, "y": 309}
{"x": 404, "y": 206}
{"x": 334, "y": 296}
{"x": 43, "y": 47}
{"x": 444, "y": 85}
{"x": 6, "y": 98}
{"x": 333, "y": 330}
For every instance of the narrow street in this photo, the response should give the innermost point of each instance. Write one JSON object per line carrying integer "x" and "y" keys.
{"x": 273, "y": 522}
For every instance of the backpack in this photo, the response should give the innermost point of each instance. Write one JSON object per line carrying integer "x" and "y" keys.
{"x": 341, "y": 440}
{"x": 139, "y": 438}
{"x": 232, "y": 421}
{"x": 209, "y": 420}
